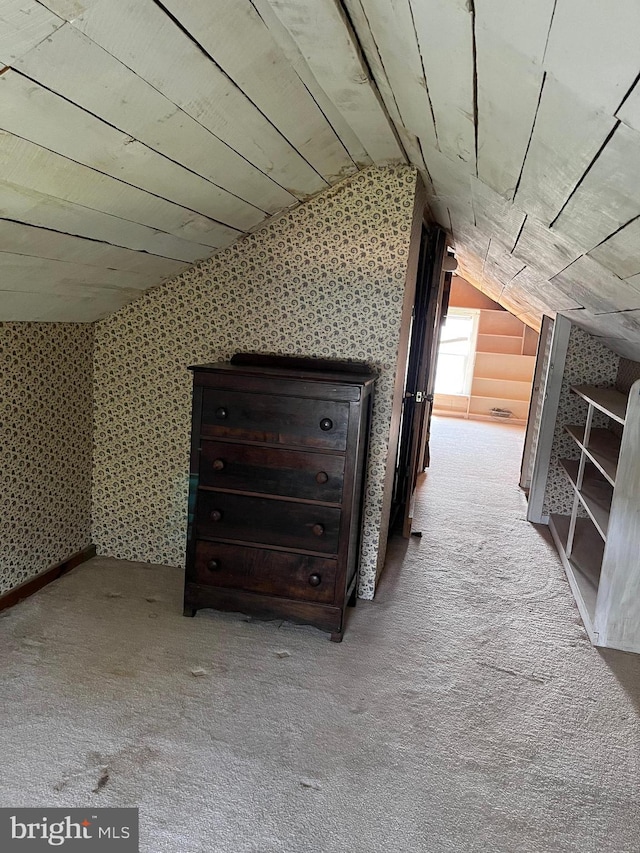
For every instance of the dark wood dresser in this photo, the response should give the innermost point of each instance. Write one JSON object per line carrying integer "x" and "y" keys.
{"x": 278, "y": 459}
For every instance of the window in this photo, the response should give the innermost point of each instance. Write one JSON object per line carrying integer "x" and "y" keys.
{"x": 456, "y": 353}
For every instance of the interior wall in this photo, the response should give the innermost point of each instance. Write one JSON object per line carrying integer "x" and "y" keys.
{"x": 628, "y": 373}
{"x": 588, "y": 362}
{"x": 326, "y": 279}
{"x": 45, "y": 453}
{"x": 465, "y": 295}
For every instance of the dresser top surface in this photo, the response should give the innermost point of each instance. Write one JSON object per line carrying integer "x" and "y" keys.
{"x": 363, "y": 376}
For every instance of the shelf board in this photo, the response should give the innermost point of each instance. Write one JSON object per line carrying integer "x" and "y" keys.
{"x": 607, "y": 400}
{"x": 495, "y": 344}
{"x": 525, "y": 382}
{"x": 472, "y": 416}
{"x": 496, "y": 397}
{"x": 603, "y": 449}
{"x": 518, "y": 390}
{"x": 498, "y": 335}
{"x": 583, "y": 569}
{"x": 512, "y": 367}
{"x": 481, "y": 405}
{"x": 595, "y": 494}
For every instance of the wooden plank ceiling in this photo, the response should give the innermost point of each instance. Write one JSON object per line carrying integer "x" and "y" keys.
{"x": 139, "y": 136}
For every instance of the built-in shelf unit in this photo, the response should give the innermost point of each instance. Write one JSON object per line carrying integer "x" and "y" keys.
{"x": 503, "y": 368}
{"x": 503, "y": 371}
{"x": 599, "y": 543}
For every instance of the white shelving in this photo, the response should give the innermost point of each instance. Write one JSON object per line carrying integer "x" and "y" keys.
{"x": 599, "y": 543}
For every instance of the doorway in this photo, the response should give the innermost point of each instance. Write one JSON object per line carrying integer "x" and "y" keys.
{"x": 431, "y": 296}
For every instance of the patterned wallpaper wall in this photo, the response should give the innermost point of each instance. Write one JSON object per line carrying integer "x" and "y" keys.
{"x": 628, "y": 373}
{"x": 588, "y": 362}
{"x": 45, "y": 452}
{"x": 326, "y": 279}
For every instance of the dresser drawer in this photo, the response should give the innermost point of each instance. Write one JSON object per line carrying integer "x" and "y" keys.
{"x": 274, "y": 522}
{"x": 274, "y": 420}
{"x": 260, "y": 570}
{"x": 272, "y": 471}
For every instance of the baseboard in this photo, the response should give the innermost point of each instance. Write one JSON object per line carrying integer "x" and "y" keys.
{"x": 24, "y": 590}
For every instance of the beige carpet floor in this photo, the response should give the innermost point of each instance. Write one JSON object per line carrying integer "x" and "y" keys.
{"x": 464, "y": 711}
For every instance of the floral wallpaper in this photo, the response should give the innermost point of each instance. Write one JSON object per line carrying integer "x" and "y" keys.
{"x": 45, "y": 452}
{"x": 628, "y": 373}
{"x": 326, "y": 279}
{"x": 588, "y": 362}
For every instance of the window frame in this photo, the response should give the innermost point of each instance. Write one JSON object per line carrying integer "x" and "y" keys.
{"x": 474, "y": 313}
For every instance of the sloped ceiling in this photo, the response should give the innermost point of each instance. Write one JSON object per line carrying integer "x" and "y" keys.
{"x": 139, "y": 136}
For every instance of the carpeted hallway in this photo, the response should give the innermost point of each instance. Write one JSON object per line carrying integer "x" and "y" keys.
{"x": 464, "y": 711}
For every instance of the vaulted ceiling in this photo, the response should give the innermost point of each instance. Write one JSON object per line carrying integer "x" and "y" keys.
{"x": 139, "y": 136}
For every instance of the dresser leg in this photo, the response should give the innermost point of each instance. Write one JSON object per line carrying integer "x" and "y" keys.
{"x": 337, "y": 637}
{"x": 189, "y": 611}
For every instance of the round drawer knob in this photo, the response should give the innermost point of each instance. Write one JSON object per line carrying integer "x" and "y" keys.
{"x": 213, "y": 565}
{"x": 218, "y": 464}
{"x": 216, "y": 515}
{"x": 222, "y": 413}
{"x": 314, "y": 580}
{"x": 322, "y": 477}
{"x": 326, "y": 424}
{"x": 318, "y": 529}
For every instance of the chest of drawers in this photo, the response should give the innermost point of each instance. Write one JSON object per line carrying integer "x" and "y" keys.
{"x": 278, "y": 460}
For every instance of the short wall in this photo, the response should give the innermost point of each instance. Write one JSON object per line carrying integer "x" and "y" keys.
{"x": 326, "y": 279}
{"x": 45, "y": 452}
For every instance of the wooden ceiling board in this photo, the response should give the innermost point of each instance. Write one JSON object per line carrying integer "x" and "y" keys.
{"x": 451, "y": 183}
{"x": 543, "y": 294}
{"x": 534, "y": 321}
{"x": 445, "y": 37}
{"x": 629, "y": 112}
{"x": 499, "y": 265}
{"x": 626, "y": 349}
{"x": 513, "y": 302}
{"x": 126, "y": 28}
{"x": 510, "y": 42}
{"x": 408, "y": 140}
{"x": 596, "y": 288}
{"x": 544, "y": 249}
{"x": 25, "y": 272}
{"x": 520, "y": 297}
{"x": 473, "y": 243}
{"x": 609, "y": 195}
{"x": 622, "y": 324}
{"x": 567, "y": 135}
{"x": 392, "y": 31}
{"x": 495, "y": 215}
{"x": 51, "y": 308}
{"x": 621, "y": 252}
{"x": 46, "y": 211}
{"x": 327, "y": 43}
{"x": 291, "y": 50}
{"x": 593, "y": 49}
{"x": 34, "y": 113}
{"x": 117, "y": 95}
{"x": 265, "y": 76}
{"x": 35, "y": 167}
{"x": 19, "y": 239}
{"x": 23, "y": 25}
